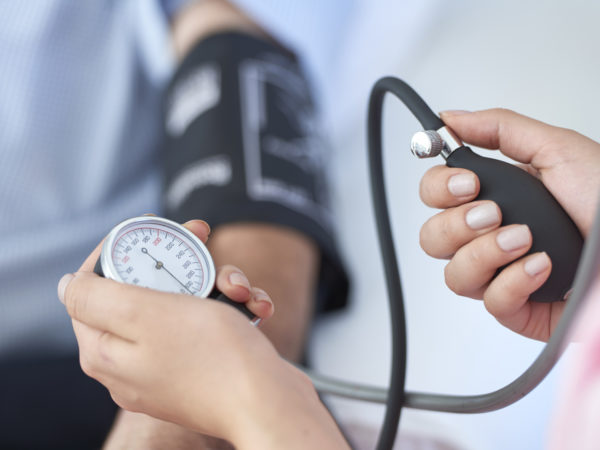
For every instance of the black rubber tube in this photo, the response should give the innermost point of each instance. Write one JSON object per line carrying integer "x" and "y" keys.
{"x": 413, "y": 101}
{"x": 395, "y": 397}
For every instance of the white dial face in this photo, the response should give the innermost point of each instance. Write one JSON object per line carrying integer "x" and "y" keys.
{"x": 159, "y": 254}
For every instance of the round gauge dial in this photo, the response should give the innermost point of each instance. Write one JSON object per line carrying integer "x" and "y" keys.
{"x": 160, "y": 254}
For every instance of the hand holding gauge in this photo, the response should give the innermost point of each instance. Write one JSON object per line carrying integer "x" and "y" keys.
{"x": 160, "y": 254}
{"x": 166, "y": 354}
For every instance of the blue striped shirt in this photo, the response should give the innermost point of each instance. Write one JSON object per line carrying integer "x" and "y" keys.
{"x": 80, "y": 89}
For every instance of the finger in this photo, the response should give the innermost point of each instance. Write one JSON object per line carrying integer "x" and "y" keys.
{"x": 200, "y": 228}
{"x": 474, "y": 264}
{"x": 444, "y": 187}
{"x": 519, "y": 137}
{"x": 507, "y": 297}
{"x": 99, "y": 351}
{"x": 443, "y": 234}
{"x": 232, "y": 282}
{"x": 108, "y": 305}
{"x": 261, "y": 304}
{"x": 90, "y": 262}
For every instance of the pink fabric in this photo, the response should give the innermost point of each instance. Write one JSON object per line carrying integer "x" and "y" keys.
{"x": 576, "y": 424}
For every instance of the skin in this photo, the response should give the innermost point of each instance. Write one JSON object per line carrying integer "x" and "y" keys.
{"x": 569, "y": 166}
{"x": 196, "y": 363}
{"x": 281, "y": 260}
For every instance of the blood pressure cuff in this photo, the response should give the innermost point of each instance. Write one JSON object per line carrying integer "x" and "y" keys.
{"x": 242, "y": 145}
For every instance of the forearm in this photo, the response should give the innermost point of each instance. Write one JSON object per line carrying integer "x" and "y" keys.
{"x": 284, "y": 263}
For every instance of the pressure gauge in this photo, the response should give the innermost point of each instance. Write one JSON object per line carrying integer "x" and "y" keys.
{"x": 160, "y": 254}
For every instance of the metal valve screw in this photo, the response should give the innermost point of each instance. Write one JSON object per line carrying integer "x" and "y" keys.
{"x": 426, "y": 144}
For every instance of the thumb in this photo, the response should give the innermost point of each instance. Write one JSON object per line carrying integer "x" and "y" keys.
{"x": 518, "y": 137}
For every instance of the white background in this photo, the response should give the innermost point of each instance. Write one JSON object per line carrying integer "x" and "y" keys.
{"x": 537, "y": 57}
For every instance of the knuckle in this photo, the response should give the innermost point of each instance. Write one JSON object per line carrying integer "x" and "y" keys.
{"x": 76, "y": 298}
{"x": 567, "y": 135}
{"x": 430, "y": 236}
{"x": 104, "y": 345}
{"x": 440, "y": 236}
{"x": 424, "y": 189}
{"x": 133, "y": 397}
{"x": 127, "y": 398}
{"x": 447, "y": 229}
{"x": 475, "y": 255}
{"x": 498, "y": 302}
{"x": 451, "y": 280}
{"x": 502, "y": 110}
{"x": 559, "y": 143}
{"x": 458, "y": 280}
{"x": 491, "y": 304}
{"x": 429, "y": 187}
{"x": 424, "y": 237}
{"x": 131, "y": 308}
{"x": 130, "y": 312}
{"x": 125, "y": 401}
{"x": 118, "y": 400}
{"x": 86, "y": 365}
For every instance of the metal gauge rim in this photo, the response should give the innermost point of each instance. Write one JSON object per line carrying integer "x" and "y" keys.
{"x": 107, "y": 262}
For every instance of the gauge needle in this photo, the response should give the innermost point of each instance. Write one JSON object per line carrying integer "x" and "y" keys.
{"x": 159, "y": 265}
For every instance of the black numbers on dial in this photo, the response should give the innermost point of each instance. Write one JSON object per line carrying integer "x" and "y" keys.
{"x": 158, "y": 258}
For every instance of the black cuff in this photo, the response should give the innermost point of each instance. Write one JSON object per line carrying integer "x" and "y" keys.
{"x": 242, "y": 146}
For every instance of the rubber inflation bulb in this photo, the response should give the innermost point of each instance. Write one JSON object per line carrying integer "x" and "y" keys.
{"x": 523, "y": 199}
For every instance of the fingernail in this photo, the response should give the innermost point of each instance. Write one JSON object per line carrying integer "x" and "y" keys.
{"x": 537, "y": 264}
{"x": 462, "y": 184}
{"x": 205, "y": 223}
{"x": 262, "y": 296}
{"x": 62, "y": 286}
{"x": 482, "y": 216}
{"x": 239, "y": 279}
{"x": 454, "y": 112}
{"x": 201, "y": 221}
{"x": 514, "y": 238}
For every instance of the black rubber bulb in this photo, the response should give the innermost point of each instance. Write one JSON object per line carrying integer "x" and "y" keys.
{"x": 523, "y": 199}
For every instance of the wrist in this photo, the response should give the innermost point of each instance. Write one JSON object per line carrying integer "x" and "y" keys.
{"x": 281, "y": 409}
